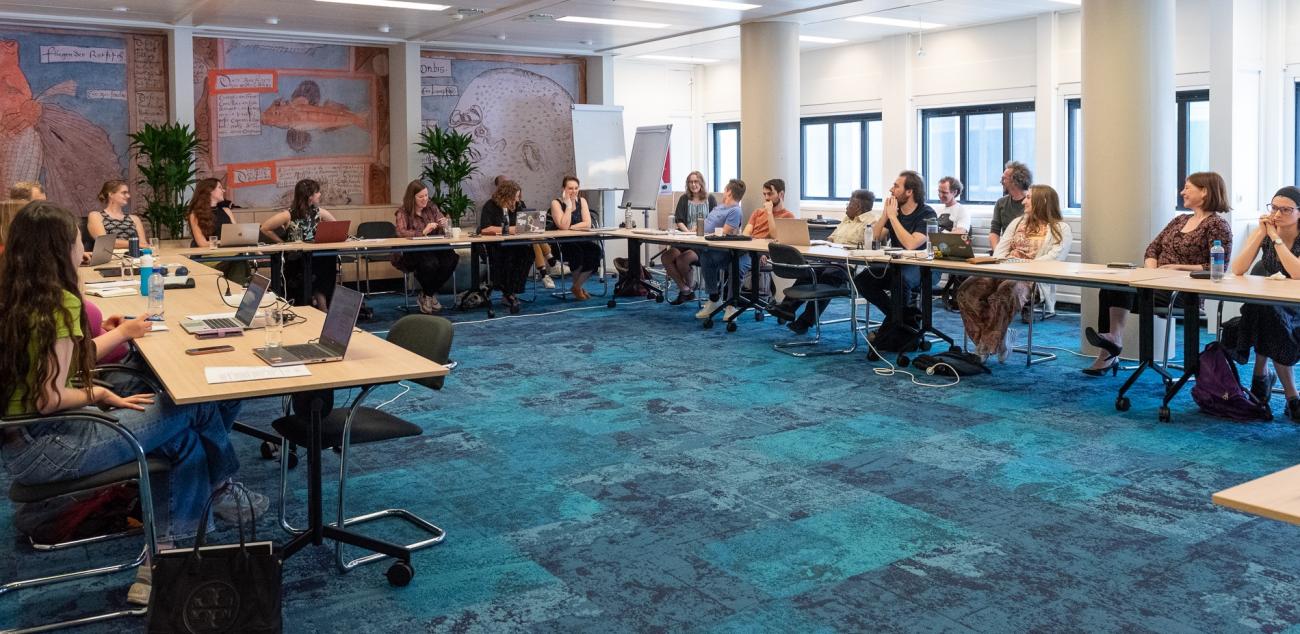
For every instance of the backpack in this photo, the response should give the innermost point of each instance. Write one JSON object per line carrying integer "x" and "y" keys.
{"x": 1218, "y": 390}
{"x": 472, "y": 298}
{"x": 901, "y": 334}
{"x": 951, "y": 363}
{"x": 629, "y": 286}
{"x": 103, "y": 511}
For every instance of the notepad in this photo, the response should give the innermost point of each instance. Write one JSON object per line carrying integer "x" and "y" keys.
{"x": 238, "y": 373}
{"x": 113, "y": 291}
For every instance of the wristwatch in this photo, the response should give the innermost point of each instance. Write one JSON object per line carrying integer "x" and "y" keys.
{"x": 1277, "y": 240}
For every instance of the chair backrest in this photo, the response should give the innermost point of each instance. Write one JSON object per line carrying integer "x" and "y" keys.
{"x": 87, "y": 241}
{"x": 428, "y": 336}
{"x": 787, "y": 262}
{"x": 376, "y": 229}
{"x": 1258, "y": 269}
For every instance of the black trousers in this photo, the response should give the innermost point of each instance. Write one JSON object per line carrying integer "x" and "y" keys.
{"x": 510, "y": 266}
{"x": 833, "y": 275}
{"x": 431, "y": 269}
{"x": 581, "y": 256}
{"x": 1108, "y": 299}
{"x": 324, "y": 275}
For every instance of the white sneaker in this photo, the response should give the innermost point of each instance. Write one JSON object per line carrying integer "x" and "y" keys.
{"x": 558, "y": 269}
{"x": 547, "y": 281}
{"x": 707, "y": 309}
{"x": 1008, "y": 343}
{"x": 729, "y": 312}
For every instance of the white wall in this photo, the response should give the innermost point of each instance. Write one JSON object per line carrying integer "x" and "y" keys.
{"x": 655, "y": 94}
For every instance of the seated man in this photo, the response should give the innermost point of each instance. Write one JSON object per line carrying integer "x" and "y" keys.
{"x": 727, "y": 217}
{"x": 889, "y": 287}
{"x": 760, "y": 223}
{"x": 857, "y": 217}
{"x": 953, "y": 217}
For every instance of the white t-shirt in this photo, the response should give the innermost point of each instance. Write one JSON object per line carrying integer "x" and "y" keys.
{"x": 960, "y": 217}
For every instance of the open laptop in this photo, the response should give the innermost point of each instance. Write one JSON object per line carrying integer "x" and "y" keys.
{"x": 530, "y": 221}
{"x": 334, "y": 335}
{"x": 103, "y": 250}
{"x": 951, "y": 246}
{"x": 790, "y": 231}
{"x": 328, "y": 231}
{"x": 240, "y": 234}
{"x": 243, "y": 318}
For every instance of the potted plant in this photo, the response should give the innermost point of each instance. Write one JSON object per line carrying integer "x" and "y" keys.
{"x": 165, "y": 158}
{"x": 447, "y": 165}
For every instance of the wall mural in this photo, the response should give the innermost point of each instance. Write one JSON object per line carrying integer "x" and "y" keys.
{"x": 517, "y": 110}
{"x": 271, "y": 113}
{"x": 68, "y": 99}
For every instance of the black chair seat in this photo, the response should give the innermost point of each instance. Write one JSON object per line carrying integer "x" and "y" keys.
{"x": 370, "y": 425}
{"x": 805, "y": 292}
{"x": 27, "y": 493}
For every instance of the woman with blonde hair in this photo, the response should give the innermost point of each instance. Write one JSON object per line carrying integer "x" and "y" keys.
{"x": 697, "y": 202}
{"x": 115, "y": 219}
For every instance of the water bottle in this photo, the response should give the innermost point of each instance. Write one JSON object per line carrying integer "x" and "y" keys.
{"x": 627, "y": 219}
{"x": 869, "y": 237}
{"x": 133, "y": 246}
{"x": 156, "y": 286}
{"x": 699, "y": 222}
{"x": 1216, "y": 261}
{"x": 146, "y": 271}
{"x": 931, "y": 228}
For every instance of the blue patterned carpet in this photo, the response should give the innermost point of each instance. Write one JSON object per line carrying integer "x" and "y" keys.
{"x": 625, "y": 471}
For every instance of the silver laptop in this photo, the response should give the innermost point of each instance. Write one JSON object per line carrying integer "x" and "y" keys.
{"x": 334, "y": 335}
{"x": 243, "y": 318}
{"x": 530, "y": 221}
{"x": 790, "y": 231}
{"x": 241, "y": 234}
{"x": 103, "y": 250}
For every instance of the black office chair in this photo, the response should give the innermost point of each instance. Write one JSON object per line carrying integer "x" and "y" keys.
{"x": 788, "y": 263}
{"x": 87, "y": 241}
{"x": 373, "y": 230}
{"x": 426, "y": 335}
{"x": 141, "y": 470}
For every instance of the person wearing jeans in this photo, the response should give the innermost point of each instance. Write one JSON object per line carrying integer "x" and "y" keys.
{"x": 727, "y": 218}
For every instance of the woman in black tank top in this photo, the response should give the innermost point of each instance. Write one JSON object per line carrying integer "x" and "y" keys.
{"x": 571, "y": 212}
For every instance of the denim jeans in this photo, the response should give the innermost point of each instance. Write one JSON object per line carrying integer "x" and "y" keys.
{"x": 195, "y": 439}
{"x": 888, "y": 288}
{"x": 713, "y": 262}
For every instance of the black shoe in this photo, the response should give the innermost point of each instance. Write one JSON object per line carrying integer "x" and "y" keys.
{"x": 1262, "y": 388}
{"x": 784, "y": 312}
{"x": 1111, "y": 366}
{"x": 1293, "y": 410}
{"x": 798, "y": 327}
{"x": 682, "y": 298}
{"x": 1101, "y": 342}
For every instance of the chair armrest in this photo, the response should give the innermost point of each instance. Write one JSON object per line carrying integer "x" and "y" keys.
{"x": 126, "y": 369}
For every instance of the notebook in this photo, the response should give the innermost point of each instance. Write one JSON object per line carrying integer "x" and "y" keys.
{"x": 243, "y": 318}
{"x": 334, "y": 335}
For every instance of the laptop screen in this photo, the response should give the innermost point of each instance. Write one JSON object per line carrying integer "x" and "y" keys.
{"x": 252, "y": 298}
{"x": 341, "y": 318}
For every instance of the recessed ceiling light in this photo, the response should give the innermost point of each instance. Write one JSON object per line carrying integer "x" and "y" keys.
{"x": 608, "y": 22}
{"x": 673, "y": 58}
{"x": 273, "y": 20}
{"x": 121, "y": 9}
{"x": 501, "y": 36}
{"x": 384, "y": 28}
{"x": 393, "y": 4}
{"x": 711, "y": 4}
{"x": 586, "y": 42}
{"x": 817, "y": 39}
{"x": 1073, "y": 2}
{"x": 907, "y": 24}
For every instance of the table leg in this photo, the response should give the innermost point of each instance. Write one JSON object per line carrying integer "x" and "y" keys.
{"x": 1146, "y": 348}
{"x": 1191, "y": 351}
{"x": 306, "y": 278}
{"x": 927, "y": 306}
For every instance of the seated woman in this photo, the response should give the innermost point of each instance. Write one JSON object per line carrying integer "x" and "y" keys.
{"x": 206, "y": 214}
{"x": 114, "y": 219}
{"x": 46, "y": 357}
{"x": 508, "y": 263}
{"x": 697, "y": 202}
{"x": 1273, "y": 331}
{"x": 988, "y": 304}
{"x": 301, "y": 219}
{"x": 26, "y": 191}
{"x": 1183, "y": 245}
{"x": 570, "y": 212}
{"x": 419, "y": 217}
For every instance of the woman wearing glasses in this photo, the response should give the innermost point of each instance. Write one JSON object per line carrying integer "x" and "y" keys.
{"x": 1273, "y": 331}
{"x": 1183, "y": 245}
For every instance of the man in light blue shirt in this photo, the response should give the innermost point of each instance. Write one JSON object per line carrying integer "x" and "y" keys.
{"x": 727, "y": 217}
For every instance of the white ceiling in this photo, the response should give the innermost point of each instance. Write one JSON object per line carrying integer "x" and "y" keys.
{"x": 528, "y": 25}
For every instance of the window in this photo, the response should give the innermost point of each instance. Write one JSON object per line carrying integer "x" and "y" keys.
{"x": 1073, "y": 120}
{"x": 974, "y": 144}
{"x": 1193, "y": 135}
{"x": 838, "y": 155}
{"x": 726, "y": 153}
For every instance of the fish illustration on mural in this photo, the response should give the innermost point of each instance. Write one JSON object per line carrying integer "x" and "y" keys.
{"x": 304, "y": 112}
{"x": 39, "y": 137}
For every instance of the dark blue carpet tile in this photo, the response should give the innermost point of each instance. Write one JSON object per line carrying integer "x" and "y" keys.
{"x": 626, "y": 471}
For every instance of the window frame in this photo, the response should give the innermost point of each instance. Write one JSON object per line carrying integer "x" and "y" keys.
{"x": 862, "y": 118}
{"x": 1183, "y": 99}
{"x": 963, "y": 113}
{"x": 714, "y": 130}
{"x": 1073, "y": 111}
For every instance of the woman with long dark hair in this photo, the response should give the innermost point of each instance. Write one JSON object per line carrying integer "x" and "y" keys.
{"x": 570, "y": 212}
{"x": 206, "y": 213}
{"x": 419, "y": 217}
{"x": 301, "y": 219}
{"x": 509, "y": 264}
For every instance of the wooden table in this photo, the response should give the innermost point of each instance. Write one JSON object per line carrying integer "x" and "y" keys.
{"x": 1275, "y": 496}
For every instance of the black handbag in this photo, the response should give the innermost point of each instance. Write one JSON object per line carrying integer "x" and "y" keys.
{"x": 214, "y": 589}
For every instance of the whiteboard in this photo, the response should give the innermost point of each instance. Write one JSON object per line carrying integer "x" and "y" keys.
{"x": 645, "y": 169}
{"x": 599, "y": 154}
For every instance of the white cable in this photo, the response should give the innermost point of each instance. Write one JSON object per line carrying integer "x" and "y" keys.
{"x": 542, "y": 314}
{"x": 405, "y": 388}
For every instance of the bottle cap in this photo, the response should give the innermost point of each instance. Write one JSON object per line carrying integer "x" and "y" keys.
{"x": 1218, "y": 243}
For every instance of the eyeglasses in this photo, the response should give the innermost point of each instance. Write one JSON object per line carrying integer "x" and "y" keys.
{"x": 1279, "y": 210}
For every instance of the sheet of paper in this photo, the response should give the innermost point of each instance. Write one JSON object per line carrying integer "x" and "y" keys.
{"x": 237, "y": 373}
{"x": 114, "y": 283}
{"x": 112, "y": 291}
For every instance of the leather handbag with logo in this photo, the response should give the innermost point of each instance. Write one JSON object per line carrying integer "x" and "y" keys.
{"x": 214, "y": 589}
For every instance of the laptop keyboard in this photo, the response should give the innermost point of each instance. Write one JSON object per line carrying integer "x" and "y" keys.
{"x": 223, "y": 322}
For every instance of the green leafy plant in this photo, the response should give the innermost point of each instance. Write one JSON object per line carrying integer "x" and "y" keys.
{"x": 449, "y": 162}
{"x": 165, "y": 157}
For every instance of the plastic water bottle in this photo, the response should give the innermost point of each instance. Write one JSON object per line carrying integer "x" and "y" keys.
{"x": 156, "y": 286}
{"x": 931, "y": 228}
{"x": 627, "y": 219}
{"x": 146, "y": 271}
{"x": 1216, "y": 261}
{"x": 869, "y": 237}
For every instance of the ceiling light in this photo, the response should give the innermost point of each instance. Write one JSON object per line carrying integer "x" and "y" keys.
{"x": 586, "y": 42}
{"x": 121, "y": 9}
{"x": 710, "y": 4}
{"x": 1073, "y": 2}
{"x": 907, "y": 24}
{"x": 684, "y": 60}
{"x": 501, "y": 36}
{"x": 817, "y": 39}
{"x": 392, "y": 4}
{"x": 608, "y": 22}
{"x": 273, "y": 20}
{"x": 384, "y": 28}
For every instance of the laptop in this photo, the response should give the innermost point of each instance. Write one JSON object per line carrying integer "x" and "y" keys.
{"x": 328, "y": 231}
{"x": 530, "y": 221}
{"x": 243, "y": 319}
{"x": 334, "y": 335}
{"x": 240, "y": 234}
{"x": 790, "y": 231}
{"x": 103, "y": 250}
{"x": 951, "y": 246}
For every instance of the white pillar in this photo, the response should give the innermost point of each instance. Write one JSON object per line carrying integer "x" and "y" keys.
{"x": 1048, "y": 107}
{"x": 180, "y": 74}
{"x": 404, "y": 121}
{"x": 769, "y": 109}
{"x": 897, "y": 112}
{"x": 1236, "y": 84}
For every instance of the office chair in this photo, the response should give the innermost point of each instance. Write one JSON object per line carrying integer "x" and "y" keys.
{"x": 788, "y": 263}
{"x": 1037, "y": 302}
{"x": 373, "y": 230}
{"x": 429, "y": 336}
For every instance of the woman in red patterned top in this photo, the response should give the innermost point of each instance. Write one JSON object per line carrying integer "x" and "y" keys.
{"x": 432, "y": 269}
{"x": 1183, "y": 245}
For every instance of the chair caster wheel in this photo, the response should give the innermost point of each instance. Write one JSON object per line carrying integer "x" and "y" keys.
{"x": 758, "y": 315}
{"x": 1122, "y": 404}
{"x": 492, "y": 314}
{"x": 611, "y": 303}
{"x": 731, "y": 326}
{"x": 659, "y": 299}
{"x": 1163, "y": 414}
{"x": 872, "y": 355}
{"x": 707, "y": 323}
{"x": 903, "y": 361}
{"x": 269, "y": 451}
{"x": 780, "y": 322}
{"x": 514, "y": 309}
{"x": 954, "y": 348}
{"x": 293, "y": 460}
{"x": 400, "y": 574}
{"x": 924, "y": 345}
